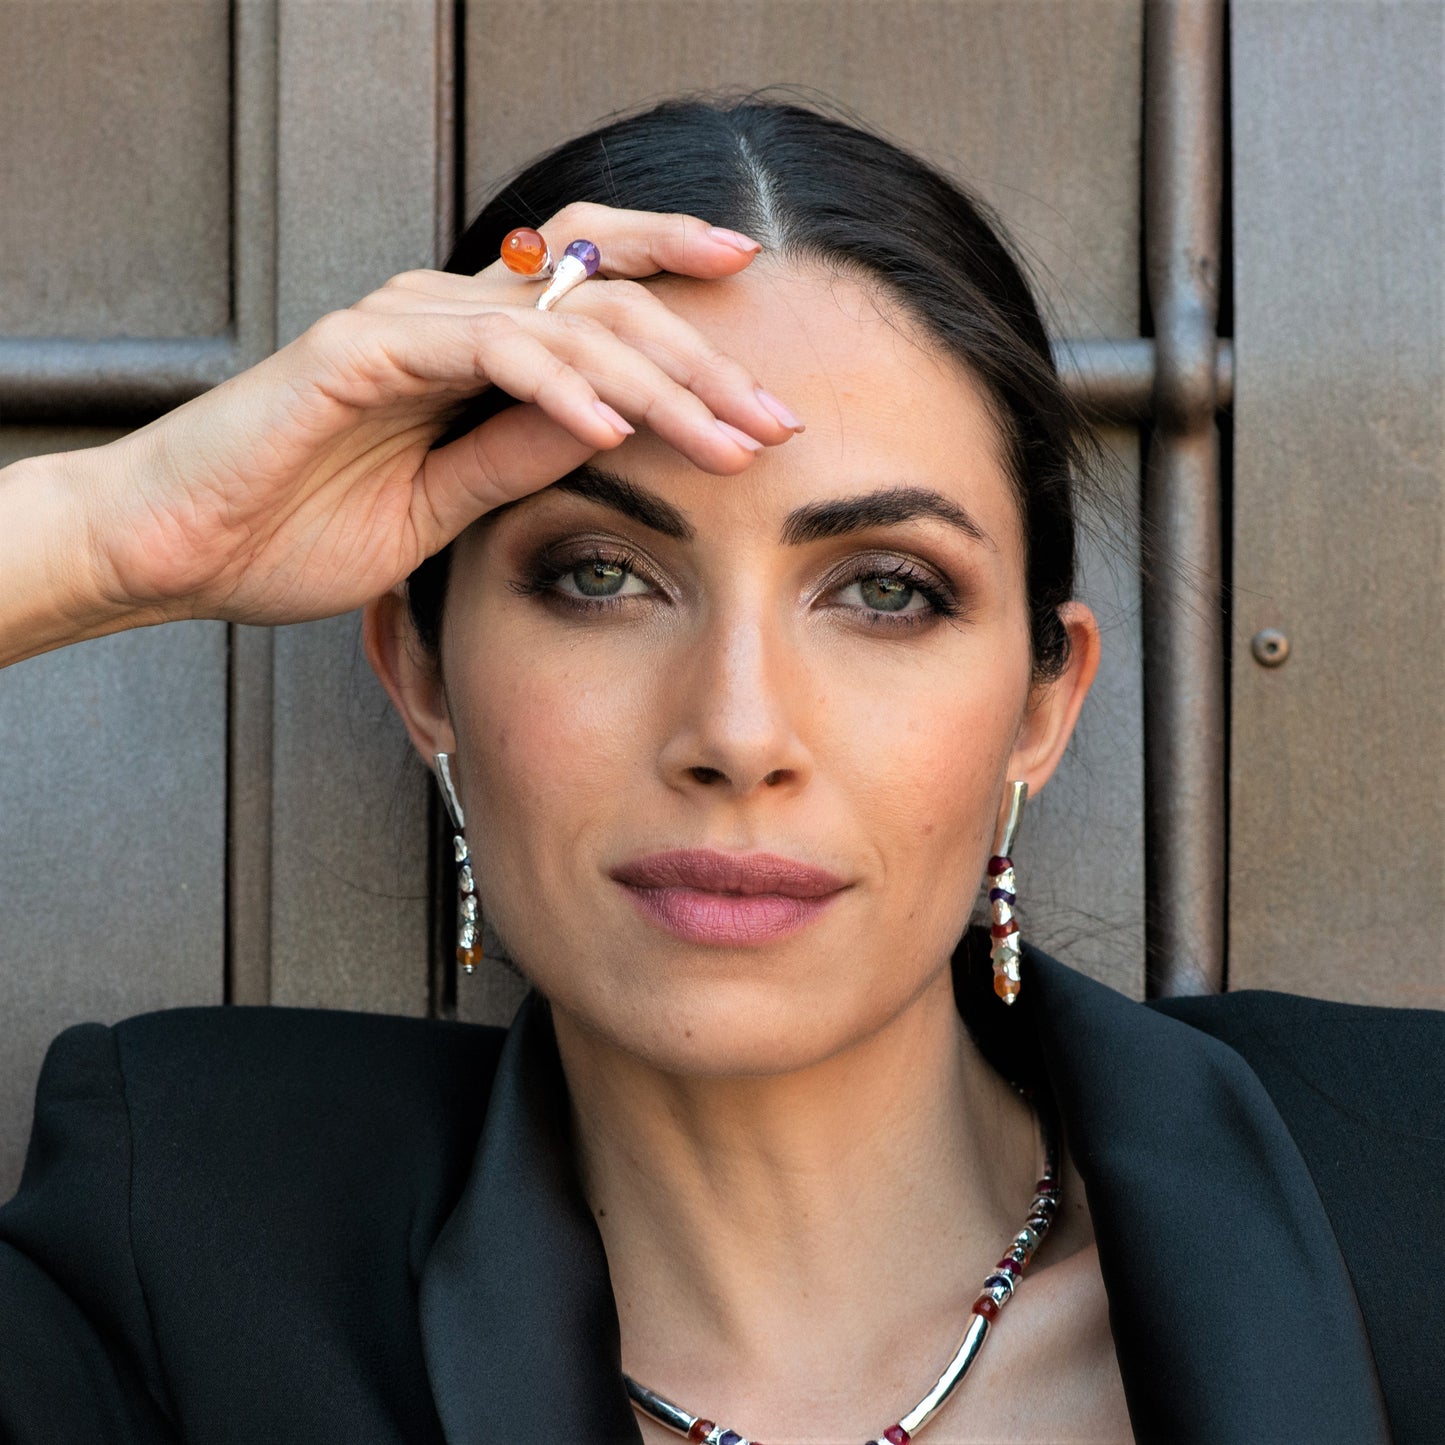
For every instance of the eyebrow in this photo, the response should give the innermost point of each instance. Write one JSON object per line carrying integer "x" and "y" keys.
{"x": 884, "y": 508}
{"x": 597, "y": 485}
{"x": 811, "y": 523}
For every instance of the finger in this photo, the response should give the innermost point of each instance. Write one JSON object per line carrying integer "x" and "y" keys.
{"x": 635, "y": 314}
{"x": 642, "y": 243}
{"x": 565, "y": 363}
{"x": 371, "y": 361}
{"x": 643, "y": 320}
{"x": 642, "y": 391}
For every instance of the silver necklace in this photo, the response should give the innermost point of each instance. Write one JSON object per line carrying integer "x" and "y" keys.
{"x": 998, "y": 1289}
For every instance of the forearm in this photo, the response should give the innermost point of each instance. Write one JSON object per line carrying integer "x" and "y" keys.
{"x": 51, "y": 590}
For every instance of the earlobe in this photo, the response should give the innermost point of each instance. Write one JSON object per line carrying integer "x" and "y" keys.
{"x": 1055, "y": 706}
{"x": 412, "y": 680}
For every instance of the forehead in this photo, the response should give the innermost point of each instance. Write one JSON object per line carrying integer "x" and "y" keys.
{"x": 883, "y": 406}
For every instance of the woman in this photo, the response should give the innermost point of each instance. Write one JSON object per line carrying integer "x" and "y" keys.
{"x": 756, "y": 631}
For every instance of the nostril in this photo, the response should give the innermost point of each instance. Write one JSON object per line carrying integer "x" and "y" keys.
{"x": 705, "y": 775}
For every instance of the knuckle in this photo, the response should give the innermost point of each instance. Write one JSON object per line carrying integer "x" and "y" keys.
{"x": 580, "y": 325}
{"x": 625, "y": 292}
{"x": 491, "y": 328}
{"x": 333, "y": 330}
{"x": 577, "y": 213}
{"x": 553, "y": 376}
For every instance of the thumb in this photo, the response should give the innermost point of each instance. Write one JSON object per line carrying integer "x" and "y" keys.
{"x": 517, "y": 452}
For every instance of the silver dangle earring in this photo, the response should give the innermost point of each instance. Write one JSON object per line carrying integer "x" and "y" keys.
{"x": 469, "y": 925}
{"x": 1003, "y": 897}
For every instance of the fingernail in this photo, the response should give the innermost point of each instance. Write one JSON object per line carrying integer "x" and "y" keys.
{"x": 735, "y": 239}
{"x": 740, "y": 437}
{"x": 773, "y": 405}
{"x": 613, "y": 419}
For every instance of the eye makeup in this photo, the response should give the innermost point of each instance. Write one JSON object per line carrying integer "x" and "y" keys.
{"x": 590, "y": 575}
{"x": 597, "y": 570}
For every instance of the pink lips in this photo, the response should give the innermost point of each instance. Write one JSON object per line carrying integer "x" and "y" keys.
{"x": 705, "y": 896}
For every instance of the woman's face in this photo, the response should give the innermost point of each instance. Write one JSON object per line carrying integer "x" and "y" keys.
{"x": 825, "y": 658}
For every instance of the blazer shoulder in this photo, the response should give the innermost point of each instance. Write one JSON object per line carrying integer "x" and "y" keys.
{"x": 1361, "y": 1089}
{"x": 1373, "y": 1063}
{"x": 299, "y": 1059}
{"x": 305, "y": 1099}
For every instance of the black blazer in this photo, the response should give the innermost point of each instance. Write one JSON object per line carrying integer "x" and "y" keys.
{"x": 281, "y": 1225}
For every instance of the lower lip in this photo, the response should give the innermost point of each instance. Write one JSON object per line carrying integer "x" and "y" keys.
{"x": 728, "y": 918}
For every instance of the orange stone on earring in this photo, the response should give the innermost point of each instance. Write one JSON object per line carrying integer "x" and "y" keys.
{"x": 469, "y": 958}
{"x": 524, "y": 251}
{"x": 1005, "y": 987}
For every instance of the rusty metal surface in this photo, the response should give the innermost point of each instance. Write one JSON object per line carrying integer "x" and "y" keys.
{"x": 1184, "y": 709}
{"x": 1337, "y": 807}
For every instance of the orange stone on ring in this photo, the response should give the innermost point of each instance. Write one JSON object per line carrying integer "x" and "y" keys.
{"x": 524, "y": 252}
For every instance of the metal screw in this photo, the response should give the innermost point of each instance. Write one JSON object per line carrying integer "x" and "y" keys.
{"x": 1270, "y": 647}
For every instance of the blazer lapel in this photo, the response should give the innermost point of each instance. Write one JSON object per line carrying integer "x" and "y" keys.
{"x": 1232, "y": 1312}
{"x": 1233, "y": 1316}
{"x": 519, "y": 1328}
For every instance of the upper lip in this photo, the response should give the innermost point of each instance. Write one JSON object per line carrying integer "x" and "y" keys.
{"x": 713, "y": 872}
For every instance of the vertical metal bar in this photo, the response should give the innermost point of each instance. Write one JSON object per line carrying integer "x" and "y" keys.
{"x": 250, "y": 685}
{"x": 446, "y": 129}
{"x": 1184, "y": 713}
{"x": 248, "y": 822}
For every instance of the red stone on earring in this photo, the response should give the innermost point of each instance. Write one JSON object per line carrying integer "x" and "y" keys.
{"x": 896, "y": 1435}
{"x": 699, "y": 1431}
{"x": 985, "y": 1307}
{"x": 999, "y": 864}
{"x": 524, "y": 251}
{"x": 1002, "y": 930}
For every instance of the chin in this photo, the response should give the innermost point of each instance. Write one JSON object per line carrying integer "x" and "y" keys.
{"x": 743, "y": 1015}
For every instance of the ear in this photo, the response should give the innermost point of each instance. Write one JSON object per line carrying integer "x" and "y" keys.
{"x": 1054, "y": 705}
{"x": 411, "y": 678}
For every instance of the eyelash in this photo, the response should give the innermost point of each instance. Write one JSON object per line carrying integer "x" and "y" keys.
{"x": 545, "y": 572}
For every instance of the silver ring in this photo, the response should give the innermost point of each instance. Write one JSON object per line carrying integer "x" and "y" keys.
{"x": 579, "y": 261}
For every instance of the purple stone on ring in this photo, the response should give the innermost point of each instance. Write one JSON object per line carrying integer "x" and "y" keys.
{"x": 591, "y": 259}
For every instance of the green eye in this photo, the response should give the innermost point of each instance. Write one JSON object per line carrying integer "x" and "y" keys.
{"x": 598, "y": 578}
{"x": 885, "y": 594}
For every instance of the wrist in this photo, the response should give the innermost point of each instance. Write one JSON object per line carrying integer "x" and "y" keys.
{"x": 52, "y": 589}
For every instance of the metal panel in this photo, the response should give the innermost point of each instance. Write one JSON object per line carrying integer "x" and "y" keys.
{"x": 1035, "y": 103}
{"x": 359, "y": 167}
{"x": 112, "y": 834}
{"x": 1337, "y": 827}
{"x": 128, "y": 107}
{"x": 212, "y": 165}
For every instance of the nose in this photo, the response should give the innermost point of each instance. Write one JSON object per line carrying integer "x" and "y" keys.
{"x": 737, "y": 705}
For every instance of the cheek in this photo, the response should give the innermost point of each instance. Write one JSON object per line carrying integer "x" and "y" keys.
{"x": 919, "y": 762}
{"x": 553, "y": 736}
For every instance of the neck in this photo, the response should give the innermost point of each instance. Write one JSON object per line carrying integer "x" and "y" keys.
{"x": 772, "y": 1238}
